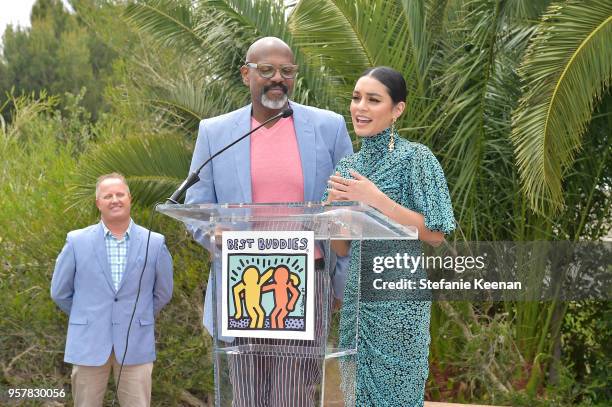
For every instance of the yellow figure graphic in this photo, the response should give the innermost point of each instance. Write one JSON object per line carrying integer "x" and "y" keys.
{"x": 295, "y": 279}
{"x": 250, "y": 289}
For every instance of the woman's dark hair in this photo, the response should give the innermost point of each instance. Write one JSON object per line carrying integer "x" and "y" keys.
{"x": 392, "y": 79}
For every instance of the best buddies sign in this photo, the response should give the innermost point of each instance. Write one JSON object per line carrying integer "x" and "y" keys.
{"x": 268, "y": 285}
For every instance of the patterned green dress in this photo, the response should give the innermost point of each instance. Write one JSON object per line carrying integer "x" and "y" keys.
{"x": 392, "y": 333}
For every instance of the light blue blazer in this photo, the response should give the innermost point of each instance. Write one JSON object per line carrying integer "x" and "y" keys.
{"x": 322, "y": 141}
{"x": 99, "y": 315}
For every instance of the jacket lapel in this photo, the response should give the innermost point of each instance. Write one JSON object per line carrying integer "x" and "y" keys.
{"x": 308, "y": 152}
{"x": 133, "y": 260}
{"x": 99, "y": 248}
{"x": 242, "y": 152}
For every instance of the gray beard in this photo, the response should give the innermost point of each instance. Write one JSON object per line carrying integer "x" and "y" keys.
{"x": 274, "y": 104}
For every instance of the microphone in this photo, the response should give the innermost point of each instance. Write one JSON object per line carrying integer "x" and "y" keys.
{"x": 285, "y": 113}
{"x": 194, "y": 176}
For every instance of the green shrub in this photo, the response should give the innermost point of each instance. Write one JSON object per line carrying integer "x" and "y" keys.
{"x": 39, "y": 156}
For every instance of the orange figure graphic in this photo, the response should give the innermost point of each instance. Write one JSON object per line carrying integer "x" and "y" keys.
{"x": 285, "y": 283}
{"x": 250, "y": 289}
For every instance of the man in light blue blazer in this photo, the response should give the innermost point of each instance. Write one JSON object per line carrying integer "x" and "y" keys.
{"x": 288, "y": 161}
{"x": 96, "y": 282}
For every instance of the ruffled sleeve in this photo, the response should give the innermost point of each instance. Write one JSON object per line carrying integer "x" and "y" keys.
{"x": 428, "y": 191}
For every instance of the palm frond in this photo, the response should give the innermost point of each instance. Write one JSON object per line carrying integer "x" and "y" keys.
{"x": 565, "y": 71}
{"x": 185, "y": 101}
{"x": 472, "y": 127}
{"x": 342, "y": 38}
{"x": 231, "y": 26}
{"x": 154, "y": 166}
{"x": 168, "y": 21}
{"x": 436, "y": 14}
{"x": 261, "y": 18}
{"x": 522, "y": 11}
{"x": 215, "y": 35}
{"x": 415, "y": 15}
{"x": 588, "y": 182}
{"x": 198, "y": 32}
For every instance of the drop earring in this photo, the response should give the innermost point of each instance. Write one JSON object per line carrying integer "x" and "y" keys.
{"x": 392, "y": 139}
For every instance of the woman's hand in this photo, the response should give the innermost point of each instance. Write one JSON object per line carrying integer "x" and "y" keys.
{"x": 332, "y": 194}
{"x": 358, "y": 189}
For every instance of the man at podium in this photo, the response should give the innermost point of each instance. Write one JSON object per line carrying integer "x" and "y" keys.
{"x": 287, "y": 160}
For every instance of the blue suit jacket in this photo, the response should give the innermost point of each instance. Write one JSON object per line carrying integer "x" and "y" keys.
{"x": 99, "y": 315}
{"x": 322, "y": 141}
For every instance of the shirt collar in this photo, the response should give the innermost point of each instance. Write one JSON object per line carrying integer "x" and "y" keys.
{"x": 127, "y": 232}
{"x": 281, "y": 119}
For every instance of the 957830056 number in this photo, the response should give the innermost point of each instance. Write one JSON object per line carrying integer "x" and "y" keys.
{"x": 35, "y": 393}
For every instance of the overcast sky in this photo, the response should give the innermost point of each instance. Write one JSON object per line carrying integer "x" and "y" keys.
{"x": 16, "y": 12}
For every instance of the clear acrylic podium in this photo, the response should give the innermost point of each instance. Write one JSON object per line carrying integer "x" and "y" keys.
{"x": 255, "y": 358}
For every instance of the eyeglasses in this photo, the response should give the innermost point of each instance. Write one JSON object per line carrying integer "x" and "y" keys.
{"x": 267, "y": 71}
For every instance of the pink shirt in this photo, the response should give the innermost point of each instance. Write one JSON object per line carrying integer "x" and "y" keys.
{"x": 276, "y": 166}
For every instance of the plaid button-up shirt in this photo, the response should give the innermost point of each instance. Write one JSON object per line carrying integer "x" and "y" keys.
{"x": 116, "y": 252}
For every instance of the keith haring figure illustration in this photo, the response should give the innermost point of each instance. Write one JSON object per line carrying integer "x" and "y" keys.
{"x": 285, "y": 295}
{"x": 249, "y": 289}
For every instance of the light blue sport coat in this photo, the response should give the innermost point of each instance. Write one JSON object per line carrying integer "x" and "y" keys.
{"x": 322, "y": 141}
{"x": 99, "y": 315}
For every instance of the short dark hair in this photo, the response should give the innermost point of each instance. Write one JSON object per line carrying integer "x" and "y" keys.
{"x": 392, "y": 79}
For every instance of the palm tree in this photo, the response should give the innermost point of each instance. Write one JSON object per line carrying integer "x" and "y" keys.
{"x": 503, "y": 92}
{"x": 565, "y": 72}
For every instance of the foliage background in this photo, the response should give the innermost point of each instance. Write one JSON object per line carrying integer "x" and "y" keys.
{"x": 512, "y": 96}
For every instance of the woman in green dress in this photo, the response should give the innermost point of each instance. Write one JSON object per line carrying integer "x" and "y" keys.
{"x": 404, "y": 181}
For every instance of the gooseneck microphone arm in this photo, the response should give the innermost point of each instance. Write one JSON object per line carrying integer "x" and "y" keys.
{"x": 195, "y": 177}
